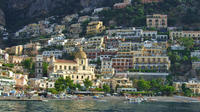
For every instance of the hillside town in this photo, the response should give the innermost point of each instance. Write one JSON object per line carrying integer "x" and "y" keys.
{"x": 79, "y": 54}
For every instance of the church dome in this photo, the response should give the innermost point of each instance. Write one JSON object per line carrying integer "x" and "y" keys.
{"x": 81, "y": 54}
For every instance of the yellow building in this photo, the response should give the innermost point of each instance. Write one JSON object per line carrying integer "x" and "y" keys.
{"x": 95, "y": 27}
{"x": 157, "y": 63}
{"x": 156, "y": 21}
{"x": 15, "y": 50}
{"x": 190, "y": 34}
{"x": 122, "y": 82}
{"x": 78, "y": 70}
{"x": 193, "y": 84}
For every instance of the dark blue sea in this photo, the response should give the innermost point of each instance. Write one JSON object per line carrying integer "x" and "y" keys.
{"x": 95, "y": 106}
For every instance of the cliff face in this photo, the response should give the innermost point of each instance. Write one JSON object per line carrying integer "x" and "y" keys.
{"x": 21, "y": 12}
{"x": 2, "y": 18}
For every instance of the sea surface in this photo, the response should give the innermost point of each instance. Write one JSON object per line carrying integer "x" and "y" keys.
{"x": 95, "y": 106}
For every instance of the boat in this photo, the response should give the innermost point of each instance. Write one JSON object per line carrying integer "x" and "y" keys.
{"x": 135, "y": 100}
{"x": 45, "y": 100}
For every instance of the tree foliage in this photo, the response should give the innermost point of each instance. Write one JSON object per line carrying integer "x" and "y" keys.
{"x": 87, "y": 83}
{"x": 106, "y": 88}
{"x": 62, "y": 84}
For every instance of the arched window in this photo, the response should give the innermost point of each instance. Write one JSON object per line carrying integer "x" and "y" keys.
{"x": 65, "y": 67}
{"x": 83, "y": 67}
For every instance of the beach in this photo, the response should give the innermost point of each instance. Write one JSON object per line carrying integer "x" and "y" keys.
{"x": 106, "y": 98}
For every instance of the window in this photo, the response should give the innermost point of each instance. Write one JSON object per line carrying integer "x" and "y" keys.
{"x": 81, "y": 77}
{"x": 74, "y": 68}
{"x": 81, "y": 61}
{"x": 65, "y": 67}
{"x": 72, "y": 76}
{"x": 158, "y": 59}
{"x": 77, "y": 77}
{"x": 56, "y": 67}
{"x": 83, "y": 67}
{"x": 69, "y": 67}
{"x": 39, "y": 64}
{"x": 60, "y": 67}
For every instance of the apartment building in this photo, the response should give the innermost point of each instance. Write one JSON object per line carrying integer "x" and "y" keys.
{"x": 95, "y": 27}
{"x": 112, "y": 43}
{"x": 153, "y": 63}
{"x": 192, "y": 84}
{"x": 122, "y": 64}
{"x": 106, "y": 67}
{"x": 190, "y": 34}
{"x": 55, "y": 53}
{"x": 97, "y": 42}
{"x": 156, "y": 21}
{"x": 130, "y": 33}
{"x": 15, "y": 50}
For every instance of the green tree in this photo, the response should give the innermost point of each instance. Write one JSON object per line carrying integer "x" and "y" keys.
{"x": 87, "y": 83}
{"x": 106, "y": 88}
{"x": 156, "y": 84}
{"x": 62, "y": 84}
{"x": 187, "y": 42}
{"x": 167, "y": 90}
{"x": 52, "y": 90}
{"x": 143, "y": 85}
{"x": 186, "y": 91}
{"x": 45, "y": 68}
{"x": 29, "y": 65}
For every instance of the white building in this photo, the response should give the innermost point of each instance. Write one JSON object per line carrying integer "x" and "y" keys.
{"x": 55, "y": 53}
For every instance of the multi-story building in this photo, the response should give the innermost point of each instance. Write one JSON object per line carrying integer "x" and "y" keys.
{"x": 130, "y": 34}
{"x": 56, "y": 53}
{"x": 95, "y": 42}
{"x": 17, "y": 59}
{"x": 39, "y": 66}
{"x": 95, "y": 27}
{"x": 190, "y": 34}
{"x": 156, "y": 21}
{"x": 106, "y": 67}
{"x": 122, "y": 64}
{"x": 129, "y": 46}
{"x": 150, "y": 34}
{"x": 192, "y": 84}
{"x": 15, "y": 50}
{"x": 112, "y": 42}
{"x": 122, "y": 82}
{"x": 151, "y": 63}
{"x": 78, "y": 70}
{"x": 75, "y": 30}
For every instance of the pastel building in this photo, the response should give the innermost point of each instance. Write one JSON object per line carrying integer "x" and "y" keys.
{"x": 156, "y": 21}
{"x": 192, "y": 84}
{"x": 95, "y": 27}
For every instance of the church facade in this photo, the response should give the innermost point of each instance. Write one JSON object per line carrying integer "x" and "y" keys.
{"x": 78, "y": 69}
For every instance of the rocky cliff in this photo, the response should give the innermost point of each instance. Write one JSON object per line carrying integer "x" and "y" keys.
{"x": 20, "y": 12}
